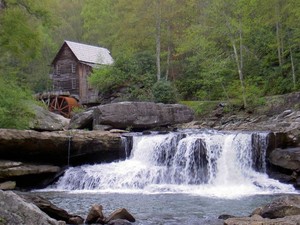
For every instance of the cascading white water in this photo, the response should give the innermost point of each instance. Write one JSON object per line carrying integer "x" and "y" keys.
{"x": 197, "y": 162}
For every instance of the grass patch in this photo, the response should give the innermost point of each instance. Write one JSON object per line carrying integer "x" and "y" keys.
{"x": 201, "y": 108}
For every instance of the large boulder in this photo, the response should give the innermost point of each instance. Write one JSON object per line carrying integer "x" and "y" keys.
{"x": 284, "y": 210}
{"x": 61, "y": 147}
{"x": 120, "y": 214}
{"x": 95, "y": 215}
{"x": 281, "y": 207}
{"x": 141, "y": 115}
{"x": 52, "y": 210}
{"x": 286, "y": 158}
{"x": 48, "y": 121}
{"x": 285, "y": 165}
{"x": 14, "y": 210}
{"x": 82, "y": 120}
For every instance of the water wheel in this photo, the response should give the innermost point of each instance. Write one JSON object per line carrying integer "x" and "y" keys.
{"x": 62, "y": 105}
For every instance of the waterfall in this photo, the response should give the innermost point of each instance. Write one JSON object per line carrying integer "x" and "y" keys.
{"x": 210, "y": 163}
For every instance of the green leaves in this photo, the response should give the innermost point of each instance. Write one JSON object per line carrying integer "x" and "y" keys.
{"x": 164, "y": 92}
{"x": 15, "y": 102}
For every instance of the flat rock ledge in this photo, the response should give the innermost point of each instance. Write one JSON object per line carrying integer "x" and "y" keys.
{"x": 60, "y": 147}
{"x": 24, "y": 175}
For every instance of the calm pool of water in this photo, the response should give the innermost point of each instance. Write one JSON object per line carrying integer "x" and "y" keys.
{"x": 155, "y": 209}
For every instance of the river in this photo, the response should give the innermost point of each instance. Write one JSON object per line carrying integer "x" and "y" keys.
{"x": 183, "y": 177}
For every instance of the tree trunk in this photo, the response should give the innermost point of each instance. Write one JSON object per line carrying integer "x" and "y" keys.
{"x": 278, "y": 38}
{"x": 169, "y": 53}
{"x": 241, "y": 76}
{"x": 293, "y": 68}
{"x": 278, "y": 44}
{"x": 158, "y": 33}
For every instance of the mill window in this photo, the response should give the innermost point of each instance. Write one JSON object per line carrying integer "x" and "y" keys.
{"x": 73, "y": 68}
{"x": 57, "y": 69}
{"x": 73, "y": 83}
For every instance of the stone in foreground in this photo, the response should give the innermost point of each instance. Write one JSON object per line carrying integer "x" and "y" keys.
{"x": 122, "y": 214}
{"x": 14, "y": 210}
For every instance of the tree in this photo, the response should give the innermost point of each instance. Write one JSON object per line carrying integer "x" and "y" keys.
{"x": 15, "y": 105}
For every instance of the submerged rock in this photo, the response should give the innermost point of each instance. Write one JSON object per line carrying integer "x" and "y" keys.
{"x": 95, "y": 215}
{"x": 122, "y": 214}
{"x": 119, "y": 222}
{"x": 258, "y": 220}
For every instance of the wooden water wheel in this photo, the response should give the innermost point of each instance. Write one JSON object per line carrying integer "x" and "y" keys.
{"x": 62, "y": 105}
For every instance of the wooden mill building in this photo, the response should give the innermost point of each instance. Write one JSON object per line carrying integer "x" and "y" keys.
{"x": 72, "y": 66}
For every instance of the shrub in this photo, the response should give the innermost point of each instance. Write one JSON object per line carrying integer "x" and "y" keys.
{"x": 15, "y": 105}
{"x": 164, "y": 92}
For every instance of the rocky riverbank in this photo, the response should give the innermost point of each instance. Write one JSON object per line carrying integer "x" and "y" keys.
{"x": 284, "y": 210}
{"x": 26, "y": 208}
{"x": 16, "y": 208}
{"x": 35, "y": 158}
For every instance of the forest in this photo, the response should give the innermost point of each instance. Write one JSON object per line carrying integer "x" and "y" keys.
{"x": 164, "y": 50}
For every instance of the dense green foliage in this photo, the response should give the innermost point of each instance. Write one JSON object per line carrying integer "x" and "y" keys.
{"x": 133, "y": 76}
{"x": 229, "y": 50}
{"x": 164, "y": 92}
{"x": 15, "y": 102}
{"x": 235, "y": 50}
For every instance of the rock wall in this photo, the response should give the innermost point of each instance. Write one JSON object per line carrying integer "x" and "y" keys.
{"x": 32, "y": 159}
{"x": 75, "y": 146}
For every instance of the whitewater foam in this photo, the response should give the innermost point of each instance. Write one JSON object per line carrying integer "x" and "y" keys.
{"x": 206, "y": 163}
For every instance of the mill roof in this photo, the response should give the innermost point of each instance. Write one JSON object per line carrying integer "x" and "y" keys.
{"x": 90, "y": 54}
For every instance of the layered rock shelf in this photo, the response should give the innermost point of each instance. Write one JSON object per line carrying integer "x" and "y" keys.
{"x": 60, "y": 147}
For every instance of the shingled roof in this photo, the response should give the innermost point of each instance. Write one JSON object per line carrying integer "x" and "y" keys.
{"x": 90, "y": 54}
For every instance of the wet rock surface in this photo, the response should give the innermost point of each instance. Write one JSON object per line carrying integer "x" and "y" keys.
{"x": 95, "y": 215}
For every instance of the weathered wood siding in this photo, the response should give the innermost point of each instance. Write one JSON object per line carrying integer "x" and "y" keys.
{"x": 68, "y": 74}
{"x": 65, "y": 72}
